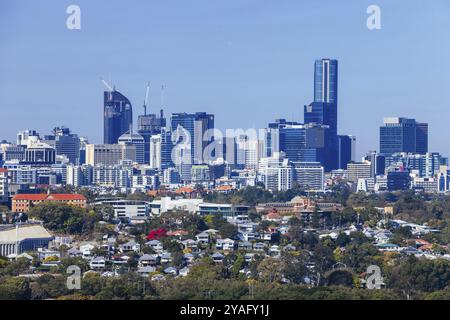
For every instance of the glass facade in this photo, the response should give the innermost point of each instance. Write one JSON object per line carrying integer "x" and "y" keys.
{"x": 118, "y": 116}
{"x": 403, "y": 135}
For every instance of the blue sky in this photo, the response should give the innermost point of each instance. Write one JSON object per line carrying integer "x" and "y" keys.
{"x": 246, "y": 61}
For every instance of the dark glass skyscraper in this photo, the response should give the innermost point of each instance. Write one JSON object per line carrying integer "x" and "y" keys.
{"x": 326, "y": 81}
{"x": 117, "y": 116}
{"x": 403, "y": 135}
{"x": 196, "y": 124}
{"x": 325, "y": 113}
{"x": 323, "y": 110}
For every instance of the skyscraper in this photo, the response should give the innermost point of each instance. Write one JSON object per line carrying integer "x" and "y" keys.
{"x": 346, "y": 148}
{"x": 137, "y": 140}
{"x": 149, "y": 125}
{"x": 65, "y": 143}
{"x": 326, "y": 81}
{"x": 325, "y": 113}
{"x": 403, "y": 135}
{"x": 323, "y": 110}
{"x": 117, "y": 116}
{"x": 193, "y": 128}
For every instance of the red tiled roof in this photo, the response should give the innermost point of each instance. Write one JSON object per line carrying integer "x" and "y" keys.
{"x": 3, "y": 170}
{"x": 184, "y": 190}
{"x": 54, "y": 196}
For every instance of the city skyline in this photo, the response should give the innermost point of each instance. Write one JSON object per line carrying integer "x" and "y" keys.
{"x": 247, "y": 60}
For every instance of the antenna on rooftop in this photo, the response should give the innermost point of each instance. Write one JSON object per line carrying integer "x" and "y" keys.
{"x": 146, "y": 98}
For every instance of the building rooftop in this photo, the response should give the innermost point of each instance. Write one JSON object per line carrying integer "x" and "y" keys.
{"x": 24, "y": 232}
{"x": 54, "y": 196}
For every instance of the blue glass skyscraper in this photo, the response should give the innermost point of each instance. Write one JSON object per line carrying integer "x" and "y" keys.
{"x": 117, "y": 116}
{"x": 323, "y": 110}
{"x": 326, "y": 81}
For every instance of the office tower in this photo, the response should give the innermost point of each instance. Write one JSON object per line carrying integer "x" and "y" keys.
{"x": 271, "y": 137}
{"x": 359, "y": 170}
{"x": 188, "y": 131}
{"x": 149, "y": 125}
{"x": 403, "y": 135}
{"x": 155, "y": 151}
{"x": 74, "y": 176}
{"x": 195, "y": 126}
{"x": 109, "y": 154}
{"x": 40, "y": 153}
{"x": 422, "y": 138}
{"x": 23, "y": 136}
{"x": 326, "y": 81}
{"x": 443, "y": 181}
{"x": 324, "y": 113}
{"x": 167, "y": 146}
{"x": 398, "y": 180}
{"x": 136, "y": 140}
{"x": 200, "y": 173}
{"x": 309, "y": 175}
{"x": 183, "y": 128}
{"x": 292, "y": 141}
{"x": 118, "y": 116}
{"x": 377, "y": 162}
{"x": 346, "y": 148}
{"x": 249, "y": 150}
{"x": 12, "y": 152}
{"x": 203, "y": 136}
{"x": 425, "y": 165}
{"x": 65, "y": 143}
{"x": 83, "y": 142}
{"x": 323, "y": 110}
{"x": 115, "y": 176}
{"x": 171, "y": 176}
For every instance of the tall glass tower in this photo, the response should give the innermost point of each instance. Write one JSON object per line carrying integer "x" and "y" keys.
{"x": 117, "y": 116}
{"x": 326, "y": 81}
{"x": 323, "y": 110}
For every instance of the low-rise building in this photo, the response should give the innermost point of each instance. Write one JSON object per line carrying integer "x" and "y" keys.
{"x": 24, "y": 202}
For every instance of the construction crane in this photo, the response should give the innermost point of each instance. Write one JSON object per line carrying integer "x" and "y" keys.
{"x": 110, "y": 89}
{"x": 146, "y": 98}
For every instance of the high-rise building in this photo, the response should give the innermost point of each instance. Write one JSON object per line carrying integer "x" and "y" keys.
{"x": 155, "y": 151}
{"x": 377, "y": 161}
{"x": 324, "y": 108}
{"x": 195, "y": 126}
{"x": 136, "y": 140}
{"x": 118, "y": 116}
{"x": 23, "y": 136}
{"x": 346, "y": 148}
{"x": 325, "y": 113}
{"x": 65, "y": 143}
{"x": 12, "y": 152}
{"x": 276, "y": 173}
{"x": 149, "y": 125}
{"x": 398, "y": 180}
{"x": 3, "y": 185}
{"x": 326, "y": 81}
{"x": 403, "y": 135}
{"x": 167, "y": 146}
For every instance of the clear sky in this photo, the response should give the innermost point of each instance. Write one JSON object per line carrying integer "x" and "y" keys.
{"x": 246, "y": 61}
